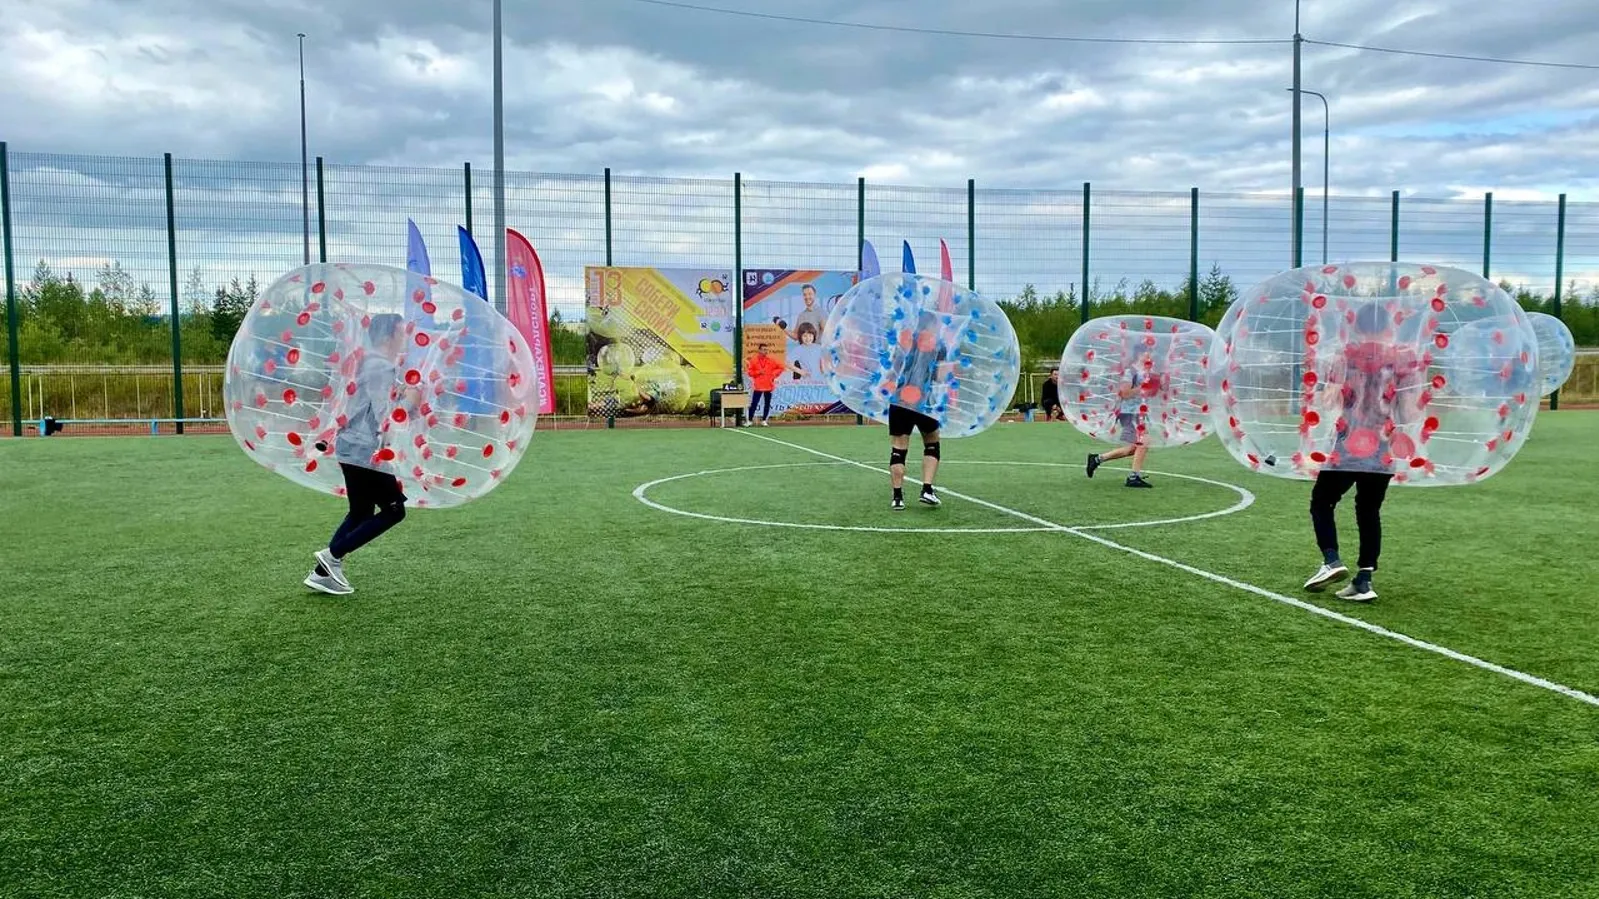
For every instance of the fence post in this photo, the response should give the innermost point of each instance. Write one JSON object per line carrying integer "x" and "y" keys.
{"x": 608, "y": 216}
{"x": 1560, "y": 275}
{"x": 1393, "y": 230}
{"x": 738, "y": 275}
{"x": 1086, "y": 289}
{"x": 177, "y": 319}
{"x": 860, "y": 243}
{"x": 971, "y": 233}
{"x": 1299, "y": 227}
{"x": 467, "y": 175}
{"x": 11, "y": 293}
{"x": 321, "y": 215}
{"x": 1487, "y": 231}
{"x": 1193, "y": 254}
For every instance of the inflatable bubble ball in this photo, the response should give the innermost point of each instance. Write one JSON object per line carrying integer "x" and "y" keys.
{"x": 923, "y": 344}
{"x": 1557, "y": 351}
{"x": 1138, "y": 378}
{"x": 375, "y": 367}
{"x": 1423, "y": 372}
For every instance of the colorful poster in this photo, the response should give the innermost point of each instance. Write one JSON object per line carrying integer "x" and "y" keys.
{"x": 784, "y": 312}
{"x": 660, "y": 340}
{"x": 524, "y": 279}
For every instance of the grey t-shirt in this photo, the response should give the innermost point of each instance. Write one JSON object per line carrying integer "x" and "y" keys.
{"x": 361, "y": 437}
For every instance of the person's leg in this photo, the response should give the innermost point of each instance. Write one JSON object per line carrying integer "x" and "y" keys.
{"x": 1129, "y": 436}
{"x": 930, "y": 459}
{"x": 1370, "y": 491}
{"x": 1328, "y": 489}
{"x": 363, "y": 502}
{"x": 1120, "y": 452}
{"x": 390, "y": 501}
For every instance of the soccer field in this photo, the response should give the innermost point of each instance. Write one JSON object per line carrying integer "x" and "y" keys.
{"x": 705, "y": 662}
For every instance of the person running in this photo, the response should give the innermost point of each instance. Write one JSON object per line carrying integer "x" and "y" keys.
{"x": 1132, "y": 420}
{"x": 377, "y": 502}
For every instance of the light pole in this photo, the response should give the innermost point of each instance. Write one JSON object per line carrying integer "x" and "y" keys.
{"x": 498, "y": 278}
{"x": 305, "y": 168}
{"x": 1326, "y": 148}
{"x": 1293, "y": 200}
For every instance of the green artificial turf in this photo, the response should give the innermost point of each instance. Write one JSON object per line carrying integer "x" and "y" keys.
{"x": 561, "y": 691}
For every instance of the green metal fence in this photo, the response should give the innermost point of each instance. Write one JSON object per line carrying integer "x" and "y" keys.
{"x": 124, "y": 276}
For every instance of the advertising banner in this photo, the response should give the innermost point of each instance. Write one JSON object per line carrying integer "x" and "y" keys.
{"x": 784, "y": 312}
{"x": 659, "y": 339}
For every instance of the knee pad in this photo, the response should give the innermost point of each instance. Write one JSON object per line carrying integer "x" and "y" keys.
{"x": 394, "y": 510}
{"x": 930, "y": 449}
{"x": 896, "y": 456}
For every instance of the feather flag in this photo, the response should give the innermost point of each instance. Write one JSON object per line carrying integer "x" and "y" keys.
{"x": 529, "y": 312}
{"x": 472, "y": 276}
{"x": 908, "y": 264}
{"x": 869, "y": 265}
{"x": 419, "y": 285}
{"x": 946, "y": 273}
{"x": 477, "y": 361}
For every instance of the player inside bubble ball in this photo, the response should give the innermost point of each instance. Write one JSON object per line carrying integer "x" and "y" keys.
{"x": 377, "y": 502}
{"x": 1132, "y": 418}
{"x": 926, "y": 363}
{"x": 1375, "y": 386}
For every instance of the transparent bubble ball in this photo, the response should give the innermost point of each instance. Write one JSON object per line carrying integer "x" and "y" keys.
{"x": 1138, "y": 376}
{"x": 1424, "y": 372}
{"x": 923, "y": 344}
{"x": 376, "y": 367}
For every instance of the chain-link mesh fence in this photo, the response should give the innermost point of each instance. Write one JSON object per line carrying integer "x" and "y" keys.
{"x": 91, "y": 255}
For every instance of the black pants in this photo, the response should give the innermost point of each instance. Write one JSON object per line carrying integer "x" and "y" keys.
{"x": 756, "y": 400}
{"x": 1370, "y": 490}
{"x": 376, "y": 504}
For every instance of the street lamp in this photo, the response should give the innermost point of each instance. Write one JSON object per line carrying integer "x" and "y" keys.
{"x": 498, "y": 279}
{"x": 1293, "y": 199}
{"x": 1326, "y": 146}
{"x": 305, "y": 169}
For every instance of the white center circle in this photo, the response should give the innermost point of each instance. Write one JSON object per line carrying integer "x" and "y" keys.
{"x": 1245, "y": 500}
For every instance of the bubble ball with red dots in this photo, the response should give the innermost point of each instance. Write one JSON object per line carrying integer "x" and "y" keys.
{"x": 1160, "y": 363}
{"x": 1424, "y": 372}
{"x": 1557, "y": 351}
{"x": 374, "y": 366}
{"x": 923, "y": 344}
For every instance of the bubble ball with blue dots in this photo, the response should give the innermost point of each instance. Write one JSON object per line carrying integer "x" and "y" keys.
{"x": 923, "y": 344}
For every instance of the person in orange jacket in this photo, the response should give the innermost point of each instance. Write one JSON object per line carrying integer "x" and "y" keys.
{"x": 763, "y": 371}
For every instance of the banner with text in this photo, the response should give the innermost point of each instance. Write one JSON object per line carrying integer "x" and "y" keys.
{"x": 659, "y": 339}
{"x": 785, "y": 311}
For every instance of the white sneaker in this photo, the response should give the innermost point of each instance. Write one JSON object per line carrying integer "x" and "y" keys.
{"x": 930, "y": 498}
{"x": 1326, "y": 574}
{"x": 334, "y": 566}
{"x": 766, "y": 422}
{"x": 326, "y": 585}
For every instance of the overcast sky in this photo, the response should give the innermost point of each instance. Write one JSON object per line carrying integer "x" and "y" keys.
{"x": 656, "y": 91}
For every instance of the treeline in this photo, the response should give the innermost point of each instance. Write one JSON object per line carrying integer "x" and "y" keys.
{"x": 115, "y": 321}
{"x": 1043, "y": 323}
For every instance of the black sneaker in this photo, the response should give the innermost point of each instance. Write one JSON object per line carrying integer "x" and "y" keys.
{"x": 1137, "y": 480}
{"x": 1093, "y": 463}
{"x": 929, "y": 497}
{"x": 898, "y": 504}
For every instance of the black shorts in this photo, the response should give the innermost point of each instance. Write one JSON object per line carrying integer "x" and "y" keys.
{"x": 902, "y": 421}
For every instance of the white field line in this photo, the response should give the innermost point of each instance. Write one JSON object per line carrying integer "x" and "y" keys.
{"x": 1367, "y": 626}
